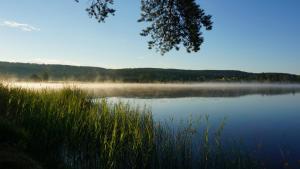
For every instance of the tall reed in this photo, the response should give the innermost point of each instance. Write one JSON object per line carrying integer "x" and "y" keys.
{"x": 68, "y": 129}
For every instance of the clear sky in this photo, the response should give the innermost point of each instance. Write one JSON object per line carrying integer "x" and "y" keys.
{"x": 248, "y": 35}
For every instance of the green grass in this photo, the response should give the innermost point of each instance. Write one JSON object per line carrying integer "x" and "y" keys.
{"x": 67, "y": 129}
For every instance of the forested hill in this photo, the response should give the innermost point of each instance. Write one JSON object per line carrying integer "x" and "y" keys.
{"x": 42, "y": 72}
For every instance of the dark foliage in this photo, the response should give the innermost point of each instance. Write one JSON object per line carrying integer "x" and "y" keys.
{"x": 45, "y": 76}
{"x": 12, "y": 158}
{"x": 100, "y": 9}
{"x": 25, "y": 71}
{"x": 172, "y": 22}
{"x": 35, "y": 77}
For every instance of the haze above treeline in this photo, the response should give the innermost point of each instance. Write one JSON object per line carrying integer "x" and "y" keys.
{"x": 48, "y": 72}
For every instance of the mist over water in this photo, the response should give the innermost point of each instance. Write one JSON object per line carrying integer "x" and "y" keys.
{"x": 167, "y": 90}
{"x": 264, "y": 116}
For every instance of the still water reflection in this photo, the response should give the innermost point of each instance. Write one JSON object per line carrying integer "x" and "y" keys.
{"x": 267, "y": 120}
{"x": 265, "y": 116}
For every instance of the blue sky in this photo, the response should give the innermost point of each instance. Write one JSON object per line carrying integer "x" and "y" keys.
{"x": 248, "y": 35}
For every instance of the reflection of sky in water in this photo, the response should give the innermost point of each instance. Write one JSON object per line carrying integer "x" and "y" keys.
{"x": 263, "y": 115}
{"x": 272, "y": 122}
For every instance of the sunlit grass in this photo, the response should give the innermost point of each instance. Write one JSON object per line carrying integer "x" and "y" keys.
{"x": 66, "y": 128}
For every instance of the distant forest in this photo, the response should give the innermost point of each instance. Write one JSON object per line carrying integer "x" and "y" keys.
{"x": 43, "y": 72}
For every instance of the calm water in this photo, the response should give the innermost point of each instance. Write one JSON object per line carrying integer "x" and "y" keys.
{"x": 266, "y": 120}
{"x": 266, "y": 117}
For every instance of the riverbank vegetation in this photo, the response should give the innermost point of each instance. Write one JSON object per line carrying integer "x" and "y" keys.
{"x": 69, "y": 129}
{"x": 42, "y": 72}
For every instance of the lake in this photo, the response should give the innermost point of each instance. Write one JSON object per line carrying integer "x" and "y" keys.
{"x": 265, "y": 117}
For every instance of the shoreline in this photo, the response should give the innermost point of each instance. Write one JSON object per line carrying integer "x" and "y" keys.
{"x": 166, "y": 90}
{"x": 204, "y": 85}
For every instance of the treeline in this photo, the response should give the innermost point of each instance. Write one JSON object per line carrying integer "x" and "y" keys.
{"x": 42, "y": 72}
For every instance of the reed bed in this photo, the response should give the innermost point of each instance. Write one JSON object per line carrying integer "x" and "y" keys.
{"x": 68, "y": 129}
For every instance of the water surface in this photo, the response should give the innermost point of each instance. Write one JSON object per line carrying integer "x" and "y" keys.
{"x": 265, "y": 116}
